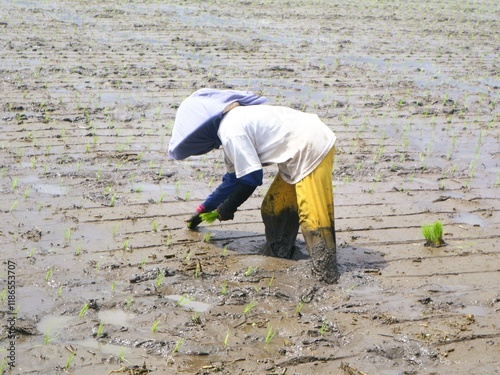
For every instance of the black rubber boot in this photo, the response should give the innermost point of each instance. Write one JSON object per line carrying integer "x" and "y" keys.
{"x": 281, "y": 233}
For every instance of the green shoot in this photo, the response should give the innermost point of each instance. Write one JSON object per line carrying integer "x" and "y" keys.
{"x": 67, "y": 234}
{"x": 226, "y": 339}
{"x": 122, "y": 356}
{"x": 48, "y": 274}
{"x": 84, "y": 310}
{"x": 128, "y": 302}
{"x": 47, "y": 339}
{"x": 159, "y": 279}
{"x": 270, "y": 333}
{"x": 249, "y": 307}
{"x": 299, "y": 307}
{"x": 183, "y": 300}
{"x": 223, "y": 290}
{"x": 207, "y": 237}
{"x": 113, "y": 200}
{"x": 433, "y": 234}
{"x": 196, "y": 318}
{"x": 69, "y": 360}
{"x": 178, "y": 345}
{"x": 154, "y": 224}
{"x": 250, "y": 270}
{"x": 154, "y": 326}
{"x": 100, "y": 329}
{"x": 324, "y": 328}
{"x": 224, "y": 251}
{"x": 270, "y": 283}
{"x": 13, "y": 207}
{"x": 59, "y": 291}
{"x": 162, "y": 197}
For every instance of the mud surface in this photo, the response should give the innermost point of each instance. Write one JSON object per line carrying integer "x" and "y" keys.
{"x": 109, "y": 280}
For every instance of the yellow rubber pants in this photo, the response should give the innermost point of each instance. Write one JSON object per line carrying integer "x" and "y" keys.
{"x": 308, "y": 204}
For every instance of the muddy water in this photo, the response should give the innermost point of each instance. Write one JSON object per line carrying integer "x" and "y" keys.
{"x": 107, "y": 278}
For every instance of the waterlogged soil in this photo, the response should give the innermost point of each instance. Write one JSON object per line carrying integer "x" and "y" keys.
{"x": 108, "y": 279}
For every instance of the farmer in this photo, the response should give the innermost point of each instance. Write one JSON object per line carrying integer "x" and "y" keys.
{"x": 254, "y": 134}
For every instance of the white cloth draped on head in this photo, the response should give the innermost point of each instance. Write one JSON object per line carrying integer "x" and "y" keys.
{"x": 198, "y": 118}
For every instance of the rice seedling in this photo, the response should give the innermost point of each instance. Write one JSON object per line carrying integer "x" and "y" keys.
{"x": 84, "y": 310}
{"x": 249, "y": 307}
{"x": 122, "y": 356}
{"x": 178, "y": 344}
{"x": 162, "y": 197}
{"x": 48, "y": 274}
{"x": 69, "y": 361}
{"x": 299, "y": 307}
{"x": 115, "y": 230}
{"x": 196, "y": 318}
{"x": 47, "y": 339}
{"x": 126, "y": 245}
{"x": 187, "y": 195}
{"x": 433, "y": 234}
{"x": 2, "y": 366}
{"x": 159, "y": 279}
{"x": 270, "y": 282}
{"x": 209, "y": 217}
{"x": 67, "y": 234}
{"x": 324, "y": 328}
{"x": 128, "y": 302}
{"x": 226, "y": 339}
{"x": 154, "y": 224}
{"x": 207, "y": 237}
{"x": 113, "y": 200}
{"x": 270, "y": 333}
{"x": 100, "y": 329}
{"x": 13, "y": 207}
{"x": 183, "y": 300}
{"x": 13, "y": 185}
{"x": 113, "y": 286}
{"x": 197, "y": 270}
{"x": 223, "y": 290}
{"x": 59, "y": 291}
{"x": 154, "y": 326}
{"x": 250, "y": 270}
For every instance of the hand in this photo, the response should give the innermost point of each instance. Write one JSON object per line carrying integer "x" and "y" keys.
{"x": 225, "y": 212}
{"x": 195, "y": 220}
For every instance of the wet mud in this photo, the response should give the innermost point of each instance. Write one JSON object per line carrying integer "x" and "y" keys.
{"x": 109, "y": 280}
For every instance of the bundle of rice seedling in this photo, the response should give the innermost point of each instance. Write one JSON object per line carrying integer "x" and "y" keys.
{"x": 433, "y": 234}
{"x": 209, "y": 217}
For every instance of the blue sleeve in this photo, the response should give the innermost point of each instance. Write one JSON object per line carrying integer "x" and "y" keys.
{"x": 229, "y": 183}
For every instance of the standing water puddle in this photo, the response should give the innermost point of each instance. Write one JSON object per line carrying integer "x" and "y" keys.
{"x": 52, "y": 324}
{"x": 189, "y": 304}
{"x": 115, "y": 317}
{"x": 468, "y": 218}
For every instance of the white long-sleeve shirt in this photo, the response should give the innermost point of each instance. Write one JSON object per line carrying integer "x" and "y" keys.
{"x": 256, "y": 136}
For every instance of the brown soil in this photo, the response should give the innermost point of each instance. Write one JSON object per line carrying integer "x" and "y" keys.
{"x": 109, "y": 280}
